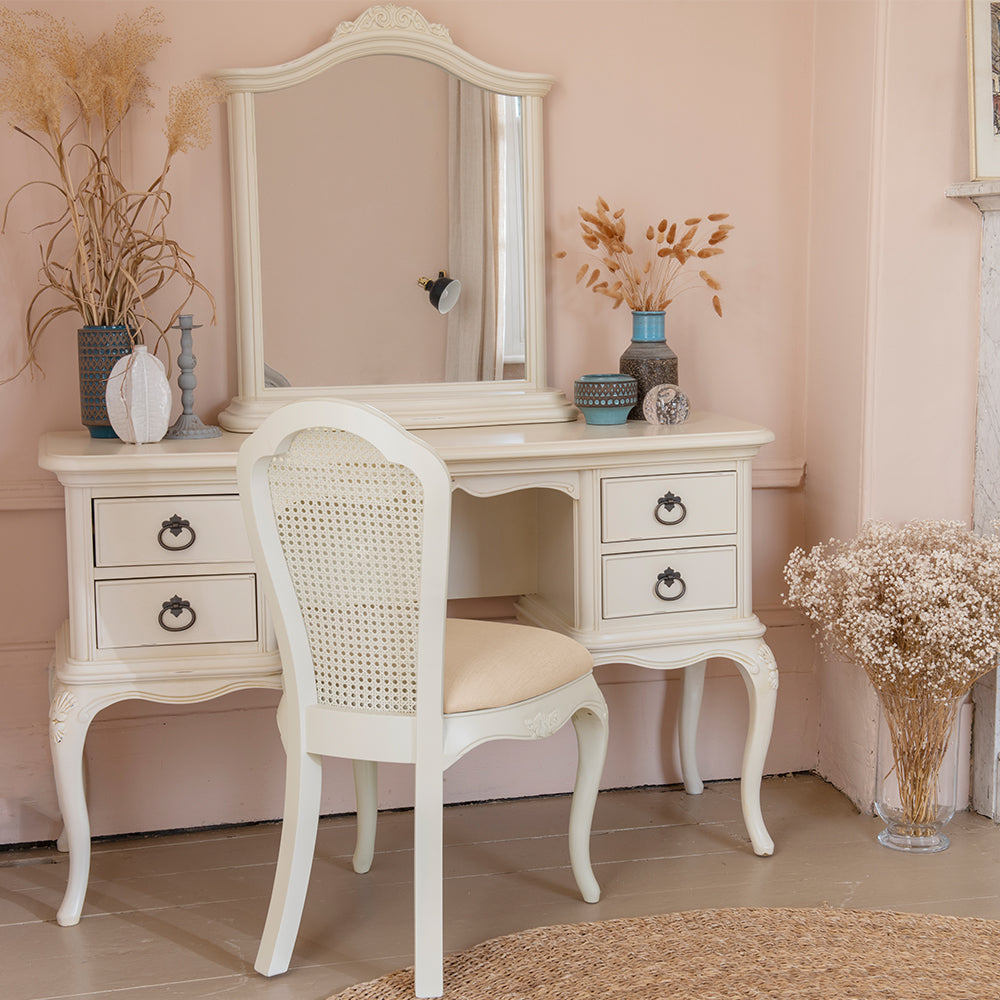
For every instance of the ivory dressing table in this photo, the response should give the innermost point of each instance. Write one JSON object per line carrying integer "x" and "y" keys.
{"x": 636, "y": 538}
{"x": 643, "y": 555}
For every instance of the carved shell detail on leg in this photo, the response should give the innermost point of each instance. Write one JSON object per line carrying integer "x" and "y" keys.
{"x": 543, "y": 724}
{"x": 766, "y": 659}
{"x": 62, "y": 705}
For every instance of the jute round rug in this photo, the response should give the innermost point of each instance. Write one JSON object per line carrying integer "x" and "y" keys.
{"x": 787, "y": 954}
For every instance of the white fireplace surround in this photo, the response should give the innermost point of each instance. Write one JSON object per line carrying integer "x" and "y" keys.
{"x": 985, "y": 194}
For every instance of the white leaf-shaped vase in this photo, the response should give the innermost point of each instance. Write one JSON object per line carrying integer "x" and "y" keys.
{"x": 138, "y": 397}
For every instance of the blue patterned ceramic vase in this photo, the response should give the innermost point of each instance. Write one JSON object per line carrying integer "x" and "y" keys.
{"x": 99, "y": 348}
{"x": 605, "y": 399}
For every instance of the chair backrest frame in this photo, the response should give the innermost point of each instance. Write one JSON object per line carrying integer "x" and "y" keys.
{"x": 397, "y": 445}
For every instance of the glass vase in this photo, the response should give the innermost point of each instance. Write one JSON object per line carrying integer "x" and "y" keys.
{"x": 916, "y": 777}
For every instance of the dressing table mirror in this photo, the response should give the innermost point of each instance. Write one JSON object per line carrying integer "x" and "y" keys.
{"x": 386, "y": 156}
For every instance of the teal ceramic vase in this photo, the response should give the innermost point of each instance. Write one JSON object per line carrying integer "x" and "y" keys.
{"x": 648, "y": 359}
{"x": 99, "y": 347}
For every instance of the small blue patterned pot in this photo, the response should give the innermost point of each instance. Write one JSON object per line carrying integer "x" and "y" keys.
{"x": 605, "y": 399}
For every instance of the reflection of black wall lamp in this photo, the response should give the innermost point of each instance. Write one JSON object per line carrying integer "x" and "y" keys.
{"x": 444, "y": 291}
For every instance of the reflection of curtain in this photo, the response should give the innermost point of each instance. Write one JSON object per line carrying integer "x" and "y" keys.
{"x": 474, "y": 349}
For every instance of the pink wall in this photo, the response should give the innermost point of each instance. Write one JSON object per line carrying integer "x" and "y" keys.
{"x": 893, "y": 312}
{"x": 763, "y": 108}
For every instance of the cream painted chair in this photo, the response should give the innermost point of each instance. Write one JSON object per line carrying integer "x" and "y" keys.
{"x": 349, "y": 519}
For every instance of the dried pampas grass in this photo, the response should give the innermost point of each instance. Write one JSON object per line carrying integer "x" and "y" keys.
{"x": 107, "y": 252}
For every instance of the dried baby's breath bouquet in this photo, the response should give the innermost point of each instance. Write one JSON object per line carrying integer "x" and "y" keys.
{"x": 918, "y": 607}
{"x": 106, "y": 250}
{"x": 650, "y": 279}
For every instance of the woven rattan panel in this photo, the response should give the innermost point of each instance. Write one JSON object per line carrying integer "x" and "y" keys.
{"x": 350, "y": 524}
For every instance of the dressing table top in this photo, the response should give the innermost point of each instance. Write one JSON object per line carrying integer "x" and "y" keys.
{"x": 565, "y": 444}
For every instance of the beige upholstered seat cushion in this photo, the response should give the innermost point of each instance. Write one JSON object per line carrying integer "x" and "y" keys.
{"x": 492, "y": 664}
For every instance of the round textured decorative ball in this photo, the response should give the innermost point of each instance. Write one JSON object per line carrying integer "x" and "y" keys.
{"x": 605, "y": 399}
{"x": 666, "y": 404}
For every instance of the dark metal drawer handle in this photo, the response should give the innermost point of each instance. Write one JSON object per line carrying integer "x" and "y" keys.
{"x": 669, "y": 577}
{"x": 175, "y": 525}
{"x": 668, "y": 502}
{"x": 177, "y": 607}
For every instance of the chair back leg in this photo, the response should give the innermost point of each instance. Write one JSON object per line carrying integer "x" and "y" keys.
{"x": 303, "y": 784}
{"x": 591, "y": 727}
{"x": 366, "y": 797}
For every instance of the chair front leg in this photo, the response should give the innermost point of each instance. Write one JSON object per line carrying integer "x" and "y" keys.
{"x": 303, "y": 784}
{"x": 591, "y": 727}
{"x": 366, "y": 797}
{"x": 427, "y": 881}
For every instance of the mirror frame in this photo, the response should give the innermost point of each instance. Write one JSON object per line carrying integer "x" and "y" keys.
{"x": 388, "y": 29}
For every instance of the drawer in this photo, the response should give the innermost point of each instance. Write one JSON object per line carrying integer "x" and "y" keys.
{"x": 693, "y": 504}
{"x": 631, "y": 582}
{"x": 219, "y": 609}
{"x": 164, "y": 531}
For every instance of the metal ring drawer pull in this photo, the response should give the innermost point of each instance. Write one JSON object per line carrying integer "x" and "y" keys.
{"x": 669, "y": 577}
{"x": 176, "y": 607}
{"x": 175, "y": 525}
{"x": 668, "y": 502}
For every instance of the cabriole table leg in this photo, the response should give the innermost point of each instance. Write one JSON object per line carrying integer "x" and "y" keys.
{"x": 68, "y": 733}
{"x": 760, "y": 673}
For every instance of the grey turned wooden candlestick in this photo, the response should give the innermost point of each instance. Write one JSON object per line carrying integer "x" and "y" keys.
{"x": 188, "y": 425}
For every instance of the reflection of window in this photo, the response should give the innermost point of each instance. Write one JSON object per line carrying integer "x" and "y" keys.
{"x": 510, "y": 229}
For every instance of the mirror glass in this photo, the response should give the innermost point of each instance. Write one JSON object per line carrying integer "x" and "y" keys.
{"x": 397, "y": 170}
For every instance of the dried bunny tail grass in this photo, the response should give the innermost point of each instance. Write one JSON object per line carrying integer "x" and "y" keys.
{"x": 188, "y": 121}
{"x": 717, "y": 216}
{"x": 651, "y": 278}
{"x": 717, "y": 305}
{"x": 559, "y": 254}
{"x": 709, "y": 280}
{"x": 689, "y": 236}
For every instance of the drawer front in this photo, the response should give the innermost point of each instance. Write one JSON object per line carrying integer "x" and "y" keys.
{"x": 206, "y": 609}
{"x": 164, "y": 531}
{"x": 659, "y": 583}
{"x": 668, "y": 506}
